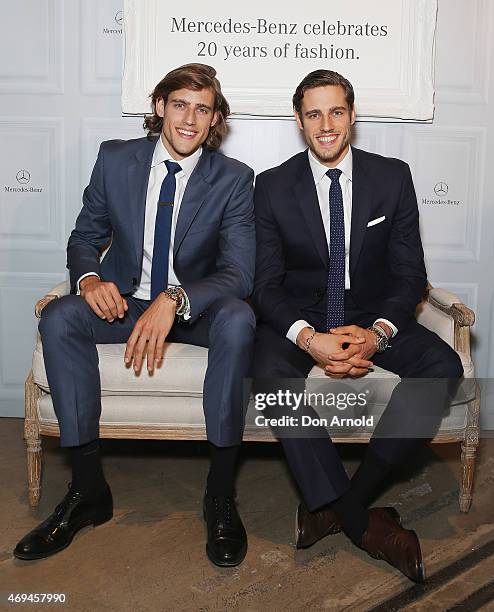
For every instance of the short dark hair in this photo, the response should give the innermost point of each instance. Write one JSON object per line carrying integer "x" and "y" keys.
{"x": 321, "y": 78}
{"x": 194, "y": 77}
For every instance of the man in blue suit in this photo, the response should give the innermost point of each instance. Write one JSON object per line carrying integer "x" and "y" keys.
{"x": 179, "y": 219}
{"x": 339, "y": 272}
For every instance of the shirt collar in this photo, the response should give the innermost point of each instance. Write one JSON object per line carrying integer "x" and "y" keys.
{"x": 319, "y": 170}
{"x": 187, "y": 164}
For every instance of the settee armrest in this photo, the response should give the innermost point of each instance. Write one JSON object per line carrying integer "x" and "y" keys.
{"x": 443, "y": 313}
{"x": 57, "y": 291}
{"x": 450, "y": 304}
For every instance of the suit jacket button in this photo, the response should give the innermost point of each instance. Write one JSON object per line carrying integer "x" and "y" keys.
{"x": 134, "y": 281}
{"x": 319, "y": 293}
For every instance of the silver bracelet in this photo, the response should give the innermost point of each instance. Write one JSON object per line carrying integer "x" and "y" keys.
{"x": 309, "y": 340}
{"x": 382, "y": 342}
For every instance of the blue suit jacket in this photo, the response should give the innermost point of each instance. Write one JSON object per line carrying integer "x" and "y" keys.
{"x": 387, "y": 272}
{"x": 214, "y": 247}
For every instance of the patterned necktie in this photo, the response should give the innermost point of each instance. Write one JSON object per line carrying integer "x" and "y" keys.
{"x": 336, "y": 276}
{"x": 162, "y": 230}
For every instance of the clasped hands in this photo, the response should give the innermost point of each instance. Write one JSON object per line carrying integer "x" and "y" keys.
{"x": 147, "y": 340}
{"x": 343, "y": 351}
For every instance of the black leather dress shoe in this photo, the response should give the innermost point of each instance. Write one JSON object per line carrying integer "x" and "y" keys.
{"x": 310, "y": 527}
{"x": 57, "y": 531}
{"x": 227, "y": 540}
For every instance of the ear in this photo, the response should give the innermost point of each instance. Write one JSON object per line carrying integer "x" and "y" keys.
{"x": 216, "y": 116}
{"x": 299, "y": 120}
{"x": 160, "y": 107}
{"x": 353, "y": 115}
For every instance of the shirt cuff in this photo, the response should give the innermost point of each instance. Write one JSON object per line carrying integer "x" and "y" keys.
{"x": 85, "y": 276}
{"x": 394, "y": 329}
{"x": 296, "y": 328}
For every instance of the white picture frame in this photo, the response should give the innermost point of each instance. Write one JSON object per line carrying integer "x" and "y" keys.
{"x": 393, "y": 75}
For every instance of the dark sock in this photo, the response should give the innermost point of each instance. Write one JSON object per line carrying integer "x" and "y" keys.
{"x": 87, "y": 471}
{"x": 221, "y": 477}
{"x": 369, "y": 477}
{"x": 354, "y": 518}
{"x": 351, "y": 508}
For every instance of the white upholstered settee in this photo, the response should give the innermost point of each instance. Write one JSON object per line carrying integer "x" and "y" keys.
{"x": 168, "y": 405}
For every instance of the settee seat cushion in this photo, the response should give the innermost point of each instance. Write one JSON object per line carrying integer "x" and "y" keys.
{"x": 181, "y": 373}
{"x": 173, "y": 395}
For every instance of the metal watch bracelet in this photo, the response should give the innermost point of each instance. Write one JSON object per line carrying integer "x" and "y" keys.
{"x": 382, "y": 342}
{"x": 177, "y": 295}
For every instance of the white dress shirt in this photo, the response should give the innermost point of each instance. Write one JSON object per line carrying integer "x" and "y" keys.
{"x": 323, "y": 185}
{"x": 157, "y": 175}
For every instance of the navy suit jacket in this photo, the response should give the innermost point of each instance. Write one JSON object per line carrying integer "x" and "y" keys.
{"x": 387, "y": 272}
{"x": 214, "y": 247}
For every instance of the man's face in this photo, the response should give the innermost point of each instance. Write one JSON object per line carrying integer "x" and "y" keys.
{"x": 187, "y": 118}
{"x": 326, "y": 122}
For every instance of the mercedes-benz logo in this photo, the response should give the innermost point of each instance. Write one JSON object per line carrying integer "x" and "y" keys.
{"x": 23, "y": 177}
{"x": 119, "y": 17}
{"x": 441, "y": 188}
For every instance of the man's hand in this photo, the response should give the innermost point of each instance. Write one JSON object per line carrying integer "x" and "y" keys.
{"x": 324, "y": 347}
{"x": 368, "y": 347}
{"x": 338, "y": 363}
{"x": 150, "y": 332}
{"x": 104, "y": 298}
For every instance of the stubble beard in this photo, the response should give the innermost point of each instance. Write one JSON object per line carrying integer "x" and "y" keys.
{"x": 330, "y": 157}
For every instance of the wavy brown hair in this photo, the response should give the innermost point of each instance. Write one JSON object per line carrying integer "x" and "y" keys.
{"x": 194, "y": 77}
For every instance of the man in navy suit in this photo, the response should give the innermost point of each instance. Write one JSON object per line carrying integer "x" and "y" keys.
{"x": 179, "y": 216}
{"x": 339, "y": 272}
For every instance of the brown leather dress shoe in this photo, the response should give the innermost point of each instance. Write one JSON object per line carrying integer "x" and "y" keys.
{"x": 310, "y": 527}
{"x": 386, "y": 539}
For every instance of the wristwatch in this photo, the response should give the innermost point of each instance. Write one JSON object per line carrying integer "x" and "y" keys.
{"x": 176, "y": 294}
{"x": 382, "y": 342}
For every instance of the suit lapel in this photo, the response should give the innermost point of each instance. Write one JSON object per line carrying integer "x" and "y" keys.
{"x": 138, "y": 176}
{"x": 362, "y": 192}
{"x": 306, "y": 196}
{"x": 195, "y": 193}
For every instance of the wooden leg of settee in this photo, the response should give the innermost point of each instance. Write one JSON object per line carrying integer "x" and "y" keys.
{"x": 33, "y": 439}
{"x": 468, "y": 453}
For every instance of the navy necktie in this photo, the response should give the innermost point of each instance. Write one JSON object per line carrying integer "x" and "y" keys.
{"x": 162, "y": 230}
{"x": 336, "y": 276}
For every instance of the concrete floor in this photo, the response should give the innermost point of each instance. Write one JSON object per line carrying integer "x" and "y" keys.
{"x": 151, "y": 556}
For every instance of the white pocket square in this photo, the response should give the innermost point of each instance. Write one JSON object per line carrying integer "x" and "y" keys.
{"x": 376, "y": 221}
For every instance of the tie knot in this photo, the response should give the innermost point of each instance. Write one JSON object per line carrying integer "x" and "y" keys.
{"x": 172, "y": 167}
{"x": 334, "y": 174}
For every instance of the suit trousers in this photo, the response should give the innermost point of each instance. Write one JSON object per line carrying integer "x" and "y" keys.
{"x": 70, "y": 331}
{"x": 429, "y": 369}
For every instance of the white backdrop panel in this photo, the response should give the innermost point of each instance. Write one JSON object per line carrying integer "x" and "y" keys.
{"x": 31, "y": 211}
{"x": 31, "y": 47}
{"x": 462, "y": 63}
{"x": 447, "y": 164}
{"x": 101, "y": 58}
